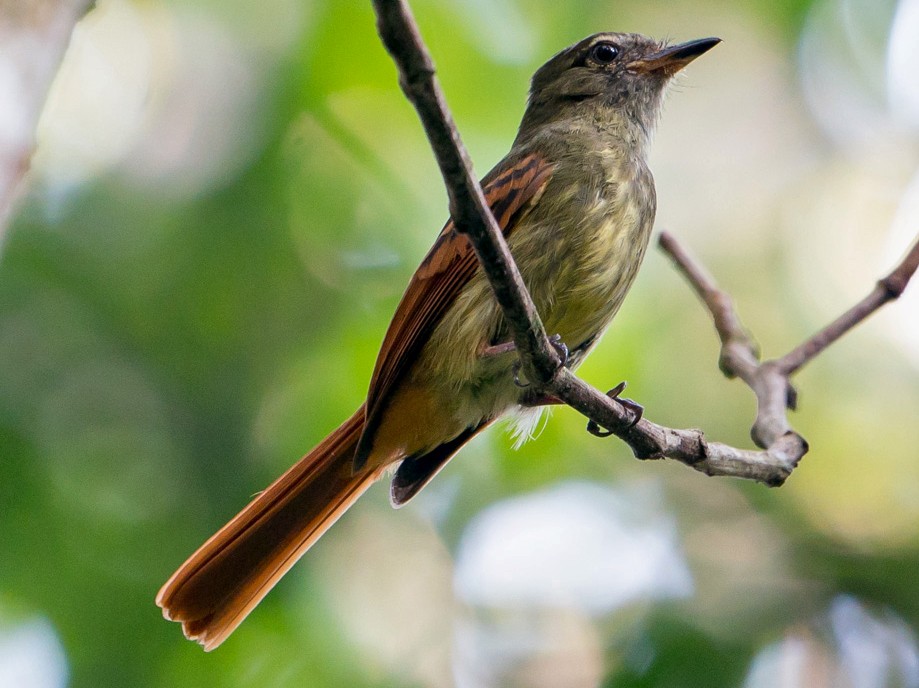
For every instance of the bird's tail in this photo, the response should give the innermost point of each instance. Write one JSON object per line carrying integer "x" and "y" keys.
{"x": 226, "y": 578}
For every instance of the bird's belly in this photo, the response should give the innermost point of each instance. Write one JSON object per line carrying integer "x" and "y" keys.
{"x": 580, "y": 277}
{"x": 577, "y": 281}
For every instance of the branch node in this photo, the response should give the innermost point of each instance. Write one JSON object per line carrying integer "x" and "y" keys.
{"x": 777, "y": 480}
{"x": 702, "y": 454}
{"x": 787, "y": 452}
{"x": 893, "y": 285}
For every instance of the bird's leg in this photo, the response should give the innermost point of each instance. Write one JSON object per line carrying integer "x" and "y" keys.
{"x": 633, "y": 407}
{"x": 504, "y": 347}
{"x": 497, "y": 349}
{"x": 517, "y": 381}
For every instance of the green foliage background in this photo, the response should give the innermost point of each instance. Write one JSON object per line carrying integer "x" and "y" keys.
{"x": 167, "y": 349}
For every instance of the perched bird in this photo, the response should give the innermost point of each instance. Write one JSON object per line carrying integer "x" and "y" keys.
{"x": 576, "y": 202}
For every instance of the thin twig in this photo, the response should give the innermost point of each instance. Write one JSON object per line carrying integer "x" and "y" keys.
{"x": 783, "y": 448}
{"x": 771, "y": 380}
{"x": 739, "y": 356}
{"x": 885, "y": 290}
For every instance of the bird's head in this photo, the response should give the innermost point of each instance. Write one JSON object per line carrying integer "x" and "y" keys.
{"x": 608, "y": 75}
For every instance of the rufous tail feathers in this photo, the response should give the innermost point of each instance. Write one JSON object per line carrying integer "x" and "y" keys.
{"x": 230, "y": 573}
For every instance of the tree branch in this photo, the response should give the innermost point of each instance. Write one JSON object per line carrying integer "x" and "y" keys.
{"x": 468, "y": 207}
{"x": 770, "y": 380}
{"x": 782, "y": 447}
{"x": 887, "y": 289}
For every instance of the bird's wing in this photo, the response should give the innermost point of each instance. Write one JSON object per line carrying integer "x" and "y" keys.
{"x": 511, "y": 187}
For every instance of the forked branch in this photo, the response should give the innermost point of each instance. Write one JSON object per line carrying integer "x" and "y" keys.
{"x": 782, "y": 447}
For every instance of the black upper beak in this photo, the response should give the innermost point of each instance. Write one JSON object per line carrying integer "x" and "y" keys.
{"x": 673, "y": 58}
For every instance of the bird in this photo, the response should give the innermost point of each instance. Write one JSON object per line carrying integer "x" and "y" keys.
{"x": 576, "y": 201}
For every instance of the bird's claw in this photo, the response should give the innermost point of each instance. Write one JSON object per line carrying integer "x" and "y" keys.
{"x": 516, "y": 370}
{"x": 560, "y": 348}
{"x": 594, "y": 429}
{"x": 633, "y": 407}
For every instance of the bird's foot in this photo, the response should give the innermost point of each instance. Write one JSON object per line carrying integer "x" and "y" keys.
{"x": 633, "y": 407}
{"x": 560, "y": 348}
{"x": 555, "y": 341}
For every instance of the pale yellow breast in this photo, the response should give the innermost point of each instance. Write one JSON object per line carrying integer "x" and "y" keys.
{"x": 578, "y": 251}
{"x": 588, "y": 248}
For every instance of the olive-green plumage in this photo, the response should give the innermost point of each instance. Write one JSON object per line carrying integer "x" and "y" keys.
{"x": 578, "y": 246}
{"x": 576, "y": 202}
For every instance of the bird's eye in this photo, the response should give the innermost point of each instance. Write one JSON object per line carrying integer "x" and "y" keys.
{"x": 604, "y": 53}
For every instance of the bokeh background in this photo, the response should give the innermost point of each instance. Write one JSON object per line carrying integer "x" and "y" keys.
{"x": 226, "y": 201}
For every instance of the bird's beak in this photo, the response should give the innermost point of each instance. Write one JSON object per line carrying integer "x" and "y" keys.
{"x": 673, "y": 58}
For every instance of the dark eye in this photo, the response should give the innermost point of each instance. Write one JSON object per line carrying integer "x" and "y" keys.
{"x": 604, "y": 53}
